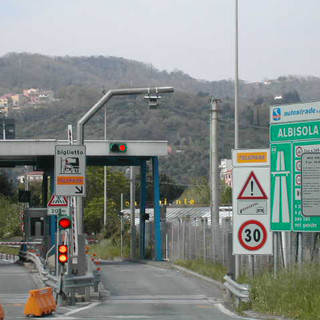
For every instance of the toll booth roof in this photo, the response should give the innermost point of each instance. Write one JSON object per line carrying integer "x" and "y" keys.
{"x": 41, "y": 152}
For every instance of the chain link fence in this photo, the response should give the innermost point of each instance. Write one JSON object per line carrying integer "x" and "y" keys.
{"x": 189, "y": 238}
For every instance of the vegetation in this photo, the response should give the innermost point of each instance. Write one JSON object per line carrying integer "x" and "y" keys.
{"x": 108, "y": 250}
{"x": 182, "y": 118}
{"x": 293, "y": 294}
{"x": 9, "y": 250}
{"x": 208, "y": 269}
{"x": 10, "y": 220}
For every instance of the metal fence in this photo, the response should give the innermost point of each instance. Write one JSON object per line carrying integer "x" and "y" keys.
{"x": 190, "y": 238}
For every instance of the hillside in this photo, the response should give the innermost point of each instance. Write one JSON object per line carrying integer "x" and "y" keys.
{"x": 182, "y": 118}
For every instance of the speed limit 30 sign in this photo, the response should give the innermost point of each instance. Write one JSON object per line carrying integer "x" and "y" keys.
{"x": 251, "y": 202}
{"x": 252, "y": 235}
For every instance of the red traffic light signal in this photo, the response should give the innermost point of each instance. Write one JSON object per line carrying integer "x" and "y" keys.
{"x": 65, "y": 223}
{"x": 63, "y": 253}
{"x": 118, "y": 147}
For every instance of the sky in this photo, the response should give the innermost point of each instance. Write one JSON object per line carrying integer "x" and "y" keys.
{"x": 276, "y": 37}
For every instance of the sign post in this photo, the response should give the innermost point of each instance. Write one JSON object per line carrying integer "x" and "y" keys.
{"x": 251, "y": 202}
{"x": 294, "y": 135}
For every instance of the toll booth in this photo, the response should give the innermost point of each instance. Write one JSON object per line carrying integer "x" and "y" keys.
{"x": 37, "y": 224}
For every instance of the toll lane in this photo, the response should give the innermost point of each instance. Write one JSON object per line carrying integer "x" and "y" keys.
{"x": 141, "y": 291}
{"x": 15, "y": 283}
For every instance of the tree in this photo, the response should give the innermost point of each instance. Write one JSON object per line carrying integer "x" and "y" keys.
{"x": 94, "y": 210}
{"x": 10, "y": 221}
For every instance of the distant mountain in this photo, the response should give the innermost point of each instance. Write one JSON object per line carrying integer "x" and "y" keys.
{"x": 182, "y": 118}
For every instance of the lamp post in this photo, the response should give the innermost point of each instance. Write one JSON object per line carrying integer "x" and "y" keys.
{"x": 152, "y": 93}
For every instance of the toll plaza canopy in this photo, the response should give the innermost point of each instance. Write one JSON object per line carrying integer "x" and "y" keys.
{"x": 40, "y": 153}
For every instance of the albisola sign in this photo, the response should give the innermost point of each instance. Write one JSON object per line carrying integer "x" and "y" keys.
{"x": 295, "y": 131}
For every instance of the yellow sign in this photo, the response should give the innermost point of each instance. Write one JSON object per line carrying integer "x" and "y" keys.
{"x": 70, "y": 180}
{"x": 249, "y": 157}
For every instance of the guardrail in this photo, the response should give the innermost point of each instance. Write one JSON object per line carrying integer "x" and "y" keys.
{"x": 241, "y": 292}
{"x": 9, "y": 257}
{"x": 46, "y": 277}
{"x": 65, "y": 284}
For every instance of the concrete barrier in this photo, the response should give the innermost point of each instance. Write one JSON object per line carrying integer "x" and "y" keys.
{"x": 40, "y": 302}
{"x": 1, "y": 312}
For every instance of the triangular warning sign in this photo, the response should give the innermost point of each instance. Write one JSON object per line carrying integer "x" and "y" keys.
{"x": 252, "y": 189}
{"x": 58, "y": 201}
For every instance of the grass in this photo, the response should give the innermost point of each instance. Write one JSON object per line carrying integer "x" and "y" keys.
{"x": 209, "y": 269}
{"x": 293, "y": 294}
{"x": 9, "y": 250}
{"x": 107, "y": 250}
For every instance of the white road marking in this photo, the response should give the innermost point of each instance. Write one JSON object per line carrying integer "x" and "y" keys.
{"x": 92, "y": 305}
{"x": 229, "y": 313}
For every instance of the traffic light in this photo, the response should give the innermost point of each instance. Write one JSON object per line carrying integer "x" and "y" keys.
{"x": 118, "y": 147}
{"x": 65, "y": 222}
{"x": 63, "y": 254}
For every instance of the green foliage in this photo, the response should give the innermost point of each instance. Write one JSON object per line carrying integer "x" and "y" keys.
{"x": 9, "y": 250}
{"x": 208, "y": 269}
{"x": 293, "y": 294}
{"x": 226, "y": 195}
{"x": 94, "y": 210}
{"x": 108, "y": 249}
{"x": 200, "y": 192}
{"x": 10, "y": 221}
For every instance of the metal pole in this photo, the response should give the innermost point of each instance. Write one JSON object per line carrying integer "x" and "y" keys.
{"x": 300, "y": 249}
{"x": 236, "y": 88}
{"x": 236, "y": 110}
{"x": 121, "y": 225}
{"x": 204, "y": 240}
{"x": 214, "y": 205}
{"x": 133, "y": 217}
{"x": 275, "y": 254}
{"x": 105, "y": 174}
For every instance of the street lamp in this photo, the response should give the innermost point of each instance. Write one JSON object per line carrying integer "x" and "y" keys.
{"x": 152, "y": 93}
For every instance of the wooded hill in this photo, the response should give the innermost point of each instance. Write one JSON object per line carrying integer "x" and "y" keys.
{"x": 182, "y": 117}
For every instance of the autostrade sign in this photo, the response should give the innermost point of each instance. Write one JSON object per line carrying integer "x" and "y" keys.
{"x": 295, "y": 112}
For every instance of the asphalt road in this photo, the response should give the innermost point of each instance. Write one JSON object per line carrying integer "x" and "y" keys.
{"x": 137, "y": 291}
{"x": 15, "y": 283}
{"x": 142, "y": 291}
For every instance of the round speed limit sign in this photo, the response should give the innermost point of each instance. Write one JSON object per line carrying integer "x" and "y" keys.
{"x": 252, "y": 235}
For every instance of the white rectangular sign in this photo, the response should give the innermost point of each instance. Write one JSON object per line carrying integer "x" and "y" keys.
{"x": 69, "y": 168}
{"x": 251, "y": 203}
{"x": 295, "y": 112}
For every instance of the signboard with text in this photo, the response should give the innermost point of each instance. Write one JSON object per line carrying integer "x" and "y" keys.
{"x": 294, "y": 133}
{"x": 70, "y": 167}
{"x": 251, "y": 202}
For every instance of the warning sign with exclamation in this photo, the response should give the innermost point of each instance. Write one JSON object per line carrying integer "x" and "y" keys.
{"x": 252, "y": 189}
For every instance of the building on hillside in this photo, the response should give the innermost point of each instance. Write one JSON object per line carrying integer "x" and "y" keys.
{"x": 38, "y": 96}
{"x": 46, "y": 96}
{"x": 32, "y": 176}
{"x": 6, "y": 100}
{"x": 226, "y": 171}
{"x": 32, "y": 94}
{"x": 19, "y": 100}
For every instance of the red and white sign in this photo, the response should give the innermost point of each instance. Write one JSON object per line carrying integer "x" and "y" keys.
{"x": 252, "y": 235}
{"x": 252, "y": 189}
{"x": 58, "y": 205}
{"x": 58, "y": 201}
{"x": 251, "y": 206}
